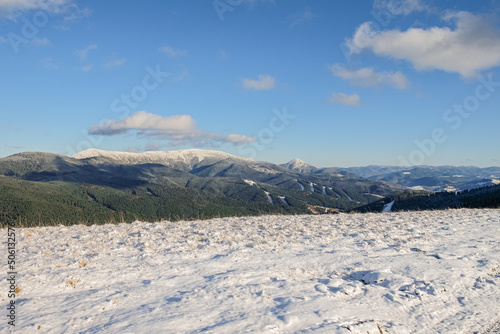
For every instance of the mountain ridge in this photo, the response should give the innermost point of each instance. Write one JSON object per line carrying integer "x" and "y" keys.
{"x": 432, "y": 178}
{"x": 151, "y": 186}
{"x": 109, "y": 186}
{"x": 156, "y": 156}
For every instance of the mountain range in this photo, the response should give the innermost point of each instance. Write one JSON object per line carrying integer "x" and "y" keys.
{"x": 45, "y": 188}
{"x": 103, "y": 186}
{"x": 432, "y": 178}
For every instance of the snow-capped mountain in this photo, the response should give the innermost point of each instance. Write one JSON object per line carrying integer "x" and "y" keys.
{"x": 186, "y": 158}
{"x": 299, "y": 166}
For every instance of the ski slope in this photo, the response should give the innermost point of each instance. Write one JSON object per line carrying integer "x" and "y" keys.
{"x": 404, "y": 272}
{"x": 388, "y": 207}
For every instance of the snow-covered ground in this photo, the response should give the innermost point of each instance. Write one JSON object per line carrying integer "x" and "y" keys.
{"x": 405, "y": 272}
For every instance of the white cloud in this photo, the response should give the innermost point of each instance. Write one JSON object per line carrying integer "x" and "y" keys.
{"x": 84, "y": 53}
{"x": 74, "y": 14}
{"x": 471, "y": 46}
{"x": 368, "y": 77}
{"x": 265, "y": 82}
{"x": 115, "y": 63}
{"x": 362, "y": 38}
{"x": 3, "y": 40}
{"x": 178, "y": 129}
{"x": 12, "y": 8}
{"x": 348, "y": 100}
{"x": 171, "y": 52}
{"x": 401, "y": 7}
{"x": 19, "y": 4}
{"x": 71, "y": 12}
{"x": 301, "y": 18}
{"x": 49, "y": 64}
{"x": 239, "y": 139}
{"x": 146, "y": 122}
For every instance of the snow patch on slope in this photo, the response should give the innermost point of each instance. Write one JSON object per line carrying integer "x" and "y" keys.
{"x": 249, "y": 182}
{"x": 283, "y": 199}
{"x": 388, "y": 207}
{"x": 348, "y": 197}
{"x": 269, "y": 197}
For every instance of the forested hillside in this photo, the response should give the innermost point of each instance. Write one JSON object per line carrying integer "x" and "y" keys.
{"x": 486, "y": 197}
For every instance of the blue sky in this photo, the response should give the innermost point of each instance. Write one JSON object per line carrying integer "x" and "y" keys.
{"x": 334, "y": 83}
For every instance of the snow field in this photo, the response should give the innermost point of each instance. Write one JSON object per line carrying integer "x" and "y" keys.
{"x": 410, "y": 272}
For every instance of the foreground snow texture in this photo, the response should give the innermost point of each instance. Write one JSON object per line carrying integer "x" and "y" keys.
{"x": 417, "y": 272}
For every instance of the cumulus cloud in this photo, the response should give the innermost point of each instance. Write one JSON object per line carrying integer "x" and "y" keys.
{"x": 239, "y": 139}
{"x": 264, "y": 82}
{"x": 145, "y": 122}
{"x": 171, "y": 52}
{"x": 470, "y": 46}
{"x": 361, "y": 39}
{"x": 178, "y": 129}
{"x": 347, "y": 100}
{"x": 84, "y": 53}
{"x": 368, "y": 77}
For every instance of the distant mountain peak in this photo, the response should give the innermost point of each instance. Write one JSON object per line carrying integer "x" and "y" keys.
{"x": 299, "y": 165}
{"x": 297, "y": 161}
